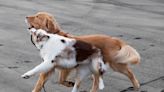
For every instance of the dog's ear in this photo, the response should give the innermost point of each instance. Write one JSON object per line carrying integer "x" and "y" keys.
{"x": 46, "y": 37}
{"x": 42, "y": 38}
{"x": 52, "y": 26}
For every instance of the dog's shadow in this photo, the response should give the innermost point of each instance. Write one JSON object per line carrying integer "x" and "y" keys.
{"x": 1, "y": 44}
{"x": 142, "y": 84}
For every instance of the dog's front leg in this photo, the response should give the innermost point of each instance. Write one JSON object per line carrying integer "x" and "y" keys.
{"x": 43, "y": 67}
{"x": 42, "y": 80}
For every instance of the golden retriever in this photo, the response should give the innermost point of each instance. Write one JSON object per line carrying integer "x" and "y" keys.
{"x": 116, "y": 53}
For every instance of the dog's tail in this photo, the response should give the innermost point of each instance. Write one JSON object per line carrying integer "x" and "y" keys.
{"x": 127, "y": 55}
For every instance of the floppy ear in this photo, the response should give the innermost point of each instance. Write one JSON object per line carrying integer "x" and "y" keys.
{"x": 52, "y": 26}
{"x": 42, "y": 38}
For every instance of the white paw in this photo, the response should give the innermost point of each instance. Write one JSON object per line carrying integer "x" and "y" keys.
{"x": 25, "y": 76}
{"x": 33, "y": 91}
{"x": 74, "y": 90}
{"x": 101, "y": 84}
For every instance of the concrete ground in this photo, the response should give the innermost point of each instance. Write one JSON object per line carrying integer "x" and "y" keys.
{"x": 139, "y": 22}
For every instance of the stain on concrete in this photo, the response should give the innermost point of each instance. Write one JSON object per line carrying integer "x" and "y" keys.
{"x": 143, "y": 91}
{"x": 83, "y": 91}
{"x": 120, "y": 35}
{"x": 162, "y": 90}
{"x": 137, "y": 38}
{"x": 1, "y": 45}
{"x": 152, "y": 45}
{"x": 27, "y": 61}
{"x": 13, "y": 67}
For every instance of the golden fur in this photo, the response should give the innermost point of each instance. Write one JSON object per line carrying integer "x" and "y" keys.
{"x": 115, "y": 52}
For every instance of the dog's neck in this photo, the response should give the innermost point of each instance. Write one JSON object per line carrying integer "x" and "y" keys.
{"x": 62, "y": 33}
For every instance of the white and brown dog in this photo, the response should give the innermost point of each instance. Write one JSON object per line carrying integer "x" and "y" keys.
{"x": 61, "y": 52}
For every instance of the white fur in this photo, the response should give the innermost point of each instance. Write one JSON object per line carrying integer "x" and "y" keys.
{"x": 50, "y": 49}
{"x": 43, "y": 67}
{"x": 67, "y": 60}
{"x": 92, "y": 67}
{"x": 97, "y": 64}
{"x": 101, "y": 83}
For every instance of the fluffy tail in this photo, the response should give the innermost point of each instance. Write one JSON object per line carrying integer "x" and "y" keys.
{"x": 127, "y": 55}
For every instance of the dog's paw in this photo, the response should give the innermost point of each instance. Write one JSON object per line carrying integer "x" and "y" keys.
{"x": 34, "y": 91}
{"x": 25, "y": 76}
{"x": 101, "y": 84}
{"x": 68, "y": 83}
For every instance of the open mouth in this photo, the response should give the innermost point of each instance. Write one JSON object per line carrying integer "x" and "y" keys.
{"x": 26, "y": 21}
{"x": 28, "y": 24}
{"x": 30, "y": 27}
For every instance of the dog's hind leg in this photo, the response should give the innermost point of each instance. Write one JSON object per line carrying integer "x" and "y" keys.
{"x": 124, "y": 69}
{"x": 82, "y": 72}
{"x": 77, "y": 84}
{"x": 95, "y": 83}
{"x": 63, "y": 74}
{"x": 42, "y": 80}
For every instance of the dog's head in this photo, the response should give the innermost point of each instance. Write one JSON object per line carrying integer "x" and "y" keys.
{"x": 39, "y": 37}
{"x": 43, "y": 20}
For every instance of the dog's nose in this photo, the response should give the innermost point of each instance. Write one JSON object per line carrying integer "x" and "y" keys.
{"x": 31, "y": 27}
{"x": 27, "y": 17}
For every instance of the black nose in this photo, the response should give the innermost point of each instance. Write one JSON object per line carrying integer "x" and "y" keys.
{"x": 27, "y": 17}
{"x": 31, "y": 27}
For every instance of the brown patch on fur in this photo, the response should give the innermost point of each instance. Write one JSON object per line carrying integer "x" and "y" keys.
{"x": 83, "y": 50}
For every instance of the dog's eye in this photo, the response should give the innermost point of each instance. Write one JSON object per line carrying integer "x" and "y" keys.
{"x": 52, "y": 61}
{"x": 38, "y": 36}
{"x": 62, "y": 40}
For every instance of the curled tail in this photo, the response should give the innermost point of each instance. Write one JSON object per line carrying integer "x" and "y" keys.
{"x": 127, "y": 55}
